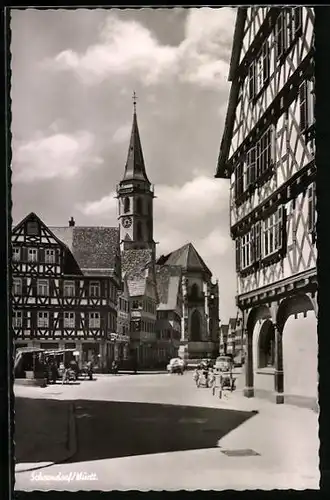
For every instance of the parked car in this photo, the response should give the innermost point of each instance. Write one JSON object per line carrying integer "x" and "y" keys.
{"x": 224, "y": 363}
{"x": 176, "y": 365}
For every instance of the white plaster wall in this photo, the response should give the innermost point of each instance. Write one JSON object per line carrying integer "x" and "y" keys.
{"x": 300, "y": 351}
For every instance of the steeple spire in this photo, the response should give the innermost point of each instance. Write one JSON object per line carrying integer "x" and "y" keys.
{"x": 135, "y": 168}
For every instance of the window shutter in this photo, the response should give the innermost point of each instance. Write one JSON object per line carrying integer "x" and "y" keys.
{"x": 24, "y": 287}
{"x": 266, "y": 60}
{"x": 257, "y": 241}
{"x": 253, "y": 175}
{"x": 310, "y": 102}
{"x": 252, "y": 245}
{"x": 303, "y": 105}
{"x": 24, "y": 254}
{"x": 282, "y": 229}
{"x": 297, "y": 20}
{"x": 51, "y": 287}
{"x": 34, "y": 286}
{"x": 51, "y": 320}
{"x": 251, "y": 81}
{"x": 272, "y": 140}
{"x": 102, "y": 322}
{"x": 238, "y": 254}
{"x": 41, "y": 256}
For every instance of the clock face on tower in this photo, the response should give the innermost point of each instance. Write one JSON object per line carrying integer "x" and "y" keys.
{"x": 127, "y": 222}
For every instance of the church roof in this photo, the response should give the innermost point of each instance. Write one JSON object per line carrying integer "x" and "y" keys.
{"x": 187, "y": 258}
{"x": 135, "y": 167}
{"x": 168, "y": 280}
{"x": 95, "y": 249}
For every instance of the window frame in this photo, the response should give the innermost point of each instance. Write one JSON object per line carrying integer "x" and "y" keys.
{"x": 32, "y": 251}
{"x": 94, "y": 321}
{"x": 69, "y": 321}
{"x": 69, "y": 284}
{"x": 17, "y": 315}
{"x": 47, "y": 256}
{"x": 95, "y": 285}
{"x": 16, "y": 251}
{"x": 45, "y": 319}
{"x": 17, "y": 286}
{"x": 41, "y": 284}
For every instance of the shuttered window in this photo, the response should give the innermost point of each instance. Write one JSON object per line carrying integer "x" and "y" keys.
{"x": 32, "y": 255}
{"x": 17, "y": 286}
{"x": 246, "y": 247}
{"x": 239, "y": 180}
{"x": 264, "y": 155}
{"x": 94, "y": 289}
{"x": 69, "y": 289}
{"x": 43, "y": 288}
{"x": 16, "y": 253}
{"x": 94, "y": 320}
{"x": 50, "y": 256}
{"x": 311, "y": 208}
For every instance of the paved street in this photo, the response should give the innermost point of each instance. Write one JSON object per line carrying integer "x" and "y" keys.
{"x": 155, "y": 431}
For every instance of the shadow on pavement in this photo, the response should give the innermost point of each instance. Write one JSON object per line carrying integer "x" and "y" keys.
{"x": 111, "y": 429}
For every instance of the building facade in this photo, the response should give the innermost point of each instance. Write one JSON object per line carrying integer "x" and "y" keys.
{"x": 268, "y": 154}
{"x": 200, "y": 304}
{"x": 169, "y": 311}
{"x": 63, "y": 294}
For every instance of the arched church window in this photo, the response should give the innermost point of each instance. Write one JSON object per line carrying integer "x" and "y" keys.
{"x": 266, "y": 345}
{"x": 139, "y": 231}
{"x": 139, "y": 206}
{"x": 196, "y": 326}
{"x": 126, "y": 205}
{"x": 194, "y": 291}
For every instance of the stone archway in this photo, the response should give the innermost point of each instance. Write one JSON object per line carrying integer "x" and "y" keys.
{"x": 252, "y": 333}
{"x": 196, "y": 326}
{"x": 298, "y": 323}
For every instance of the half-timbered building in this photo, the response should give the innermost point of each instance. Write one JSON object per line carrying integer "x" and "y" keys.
{"x": 64, "y": 287}
{"x": 268, "y": 154}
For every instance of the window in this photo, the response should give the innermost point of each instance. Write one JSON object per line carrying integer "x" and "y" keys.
{"x": 246, "y": 254}
{"x": 250, "y": 168}
{"x": 288, "y": 28}
{"x": 259, "y": 70}
{"x": 16, "y": 253}
{"x": 311, "y": 208}
{"x": 126, "y": 205}
{"x": 139, "y": 206}
{"x": 264, "y": 153}
{"x": 272, "y": 233}
{"x": 50, "y": 256}
{"x": 306, "y": 105}
{"x": 69, "y": 289}
{"x": 32, "y": 228}
{"x": 43, "y": 319}
{"x": 32, "y": 255}
{"x": 239, "y": 180}
{"x": 94, "y": 289}
{"x": 69, "y": 320}
{"x": 17, "y": 319}
{"x": 94, "y": 320}
{"x": 17, "y": 286}
{"x": 43, "y": 288}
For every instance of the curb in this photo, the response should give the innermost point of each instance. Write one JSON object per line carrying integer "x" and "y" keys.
{"x": 72, "y": 446}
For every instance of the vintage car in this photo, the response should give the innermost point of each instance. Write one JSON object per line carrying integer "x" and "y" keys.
{"x": 224, "y": 364}
{"x": 176, "y": 365}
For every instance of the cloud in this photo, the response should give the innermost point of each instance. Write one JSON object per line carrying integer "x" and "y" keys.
{"x": 54, "y": 156}
{"x": 122, "y": 134}
{"x": 182, "y": 214}
{"x": 129, "y": 48}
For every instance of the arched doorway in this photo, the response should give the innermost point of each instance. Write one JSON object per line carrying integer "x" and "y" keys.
{"x": 196, "y": 326}
{"x": 255, "y": 320}
{"x": 266, "y": 345}
{"x": 300, "y": 347}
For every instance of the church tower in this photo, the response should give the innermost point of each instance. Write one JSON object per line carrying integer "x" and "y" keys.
{"x": 135, "y": 197}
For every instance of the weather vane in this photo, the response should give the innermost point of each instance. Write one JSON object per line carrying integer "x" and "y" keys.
{"x": 134, "y": 100}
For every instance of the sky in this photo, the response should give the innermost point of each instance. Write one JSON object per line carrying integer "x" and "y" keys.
{"x": 73, "y": 75}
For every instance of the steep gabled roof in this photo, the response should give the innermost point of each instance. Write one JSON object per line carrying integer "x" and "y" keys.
{"x": 96, "y": 249}
{"x": 135, "y": 167}
{"x": 233, "y": 96}
{"x": 135, "y": 265}
{"x": 168, "y": 285}
{"x": 187, "y": 258}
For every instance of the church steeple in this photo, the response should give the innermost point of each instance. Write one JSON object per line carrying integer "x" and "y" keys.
{"x": 135, "y": 197}
{"x": 135, "y": 167}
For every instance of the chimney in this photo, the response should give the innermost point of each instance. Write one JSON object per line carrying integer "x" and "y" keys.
{"x": 72, "y": 222}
